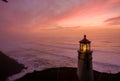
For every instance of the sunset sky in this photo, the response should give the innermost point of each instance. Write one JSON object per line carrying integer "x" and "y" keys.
{"x": 59, "y": 13}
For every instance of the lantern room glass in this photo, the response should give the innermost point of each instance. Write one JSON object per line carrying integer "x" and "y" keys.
{"x": 85, "y": 47}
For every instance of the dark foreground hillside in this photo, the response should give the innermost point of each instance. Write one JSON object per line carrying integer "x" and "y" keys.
{"x": 65, "y": 74}
{"x": 8, "y": 67}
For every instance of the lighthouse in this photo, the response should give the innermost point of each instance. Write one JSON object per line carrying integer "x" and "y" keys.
{"x": 84, "y": 70}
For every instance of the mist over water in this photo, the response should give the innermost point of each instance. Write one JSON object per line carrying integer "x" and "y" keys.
{"x": 58, "y": 48}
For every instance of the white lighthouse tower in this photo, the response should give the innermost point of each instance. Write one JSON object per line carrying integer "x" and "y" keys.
{"x": 85, "y": 71}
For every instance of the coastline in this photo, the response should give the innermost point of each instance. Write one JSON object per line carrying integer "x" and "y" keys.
{"x": 8, "y": 67}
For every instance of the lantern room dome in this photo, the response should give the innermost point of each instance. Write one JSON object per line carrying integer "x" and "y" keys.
{"x": 85, "y": 40}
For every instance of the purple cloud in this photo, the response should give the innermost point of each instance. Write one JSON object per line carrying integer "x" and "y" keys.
{"x": 29, "y": 13}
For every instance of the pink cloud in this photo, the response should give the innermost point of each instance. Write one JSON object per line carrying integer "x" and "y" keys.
{"x": 113, "y": 21}
{"x": 32, "y": 13}
{"x": 94, "y": 8}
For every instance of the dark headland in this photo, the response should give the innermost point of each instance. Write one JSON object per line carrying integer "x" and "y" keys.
{"x": 65, "y": 74}
{"x": 8, "y": 66}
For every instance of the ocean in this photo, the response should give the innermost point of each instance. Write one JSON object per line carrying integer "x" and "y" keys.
{"x": 47, "y": 48}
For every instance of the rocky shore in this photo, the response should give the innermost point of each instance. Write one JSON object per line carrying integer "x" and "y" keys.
{"x": 8, "y": 66}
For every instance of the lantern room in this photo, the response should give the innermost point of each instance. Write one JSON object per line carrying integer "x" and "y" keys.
{"x": 85, "y": 45}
